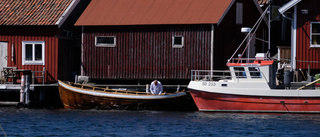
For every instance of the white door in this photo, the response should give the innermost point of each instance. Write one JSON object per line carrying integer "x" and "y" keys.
{"x": 3, "y": 54}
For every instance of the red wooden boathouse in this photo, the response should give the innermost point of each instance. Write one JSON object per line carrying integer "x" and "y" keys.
{"x": 305, "y": 40}
{"x": 37, "y": 34}
{"x": 162, "y": 39}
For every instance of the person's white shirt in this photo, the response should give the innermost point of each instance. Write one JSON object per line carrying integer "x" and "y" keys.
{"x": 156, "y": 89}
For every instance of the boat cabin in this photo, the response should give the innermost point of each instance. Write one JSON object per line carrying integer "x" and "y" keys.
{"x": 244, "y": 70}
{"x": 259, "y": 69}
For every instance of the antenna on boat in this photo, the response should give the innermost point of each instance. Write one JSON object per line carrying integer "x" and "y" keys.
{"x": 254, "y": 29}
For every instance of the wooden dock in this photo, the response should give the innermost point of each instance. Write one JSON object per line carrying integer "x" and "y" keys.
{"x": 5, "y": 87}
{"x": 11, "y": 93}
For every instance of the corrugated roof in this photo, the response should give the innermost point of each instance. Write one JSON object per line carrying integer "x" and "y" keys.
{"x": 32, "y": 12}
{"x": 143, "y": 12}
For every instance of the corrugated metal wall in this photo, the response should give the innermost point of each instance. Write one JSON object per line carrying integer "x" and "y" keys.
{"x": 16, "y": 34}
{"x": 305, "y": 54}
{"x": 145, "y": 52}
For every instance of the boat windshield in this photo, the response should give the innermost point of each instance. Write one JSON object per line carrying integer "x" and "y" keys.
{"x": 254, "y": 72}
{"x": 240, "y": 72}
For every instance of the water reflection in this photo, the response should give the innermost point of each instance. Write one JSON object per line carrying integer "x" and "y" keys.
{"x": 69, "y": 122}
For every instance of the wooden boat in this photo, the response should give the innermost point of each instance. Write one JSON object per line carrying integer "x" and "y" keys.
{"x": 81, "y": 96}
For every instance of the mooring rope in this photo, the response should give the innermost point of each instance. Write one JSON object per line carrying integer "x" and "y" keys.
{"x": 296, "y": 60}
{"x": 4, "y": 133}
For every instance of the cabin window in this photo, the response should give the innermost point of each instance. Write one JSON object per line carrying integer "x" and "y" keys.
{"x": 240, "y": 73}
{"x": 105, "y": 41}
{"x": 254, "y": 72}
{"x": 33, "y": 52}
{"x": 315, "y": 34}
{"x": 239, "y": 13}
{"x": 177, "y": 41}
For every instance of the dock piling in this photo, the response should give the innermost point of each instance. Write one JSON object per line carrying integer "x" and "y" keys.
{"x": 22, "y": 89}
{"x": 26, "y": 90}
{"x": 147, "y": 88}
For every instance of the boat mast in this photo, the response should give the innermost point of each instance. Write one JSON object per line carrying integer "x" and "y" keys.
{"x": 212, "y": 37}
{"x": 255, "y": 27}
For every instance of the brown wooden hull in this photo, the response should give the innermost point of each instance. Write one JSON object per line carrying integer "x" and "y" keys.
{"x": 99, "y": 100}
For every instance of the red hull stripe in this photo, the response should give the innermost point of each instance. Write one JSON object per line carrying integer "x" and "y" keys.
{"x": 207, "y": 101}
{"x": 256, "y": 62}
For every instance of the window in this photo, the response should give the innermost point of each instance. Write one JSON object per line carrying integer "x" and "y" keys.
{"x": 254, "y": 72}
{"x": 275, "y": 15}
{"x": 105, "y": 41}
{"x": 177, "y": 41}
{"x": 33, "y": 52}
{"x": 240, "y": 73}
{"x": 315, "y": 34}
{"x": 239, "y": 13}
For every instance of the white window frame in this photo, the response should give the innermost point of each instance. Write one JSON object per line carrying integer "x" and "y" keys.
{"x": 311, "y": 34}
{"x": 106, "y": 45}
{"x": 33, "y": 62}
{"x": 177, "y": 45}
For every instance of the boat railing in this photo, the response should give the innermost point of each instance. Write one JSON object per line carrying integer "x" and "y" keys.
{"x": 215, "y": 75}
{"x": 246, "y": 60}
{"x": 208, "y": 75}
{"x": 121, "y": 91}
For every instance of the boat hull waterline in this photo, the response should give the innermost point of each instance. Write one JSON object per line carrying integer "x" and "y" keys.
{"x": 85, "y": 98}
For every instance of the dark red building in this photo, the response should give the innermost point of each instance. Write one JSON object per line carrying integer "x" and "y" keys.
{"x": 162, "y": 39}
{"x": 37, "y": 34}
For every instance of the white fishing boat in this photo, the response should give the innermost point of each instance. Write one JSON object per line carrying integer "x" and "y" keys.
{"x": 252, "y": 87}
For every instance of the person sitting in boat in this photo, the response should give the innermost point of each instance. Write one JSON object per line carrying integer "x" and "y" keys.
{"x": 156, "y": 87}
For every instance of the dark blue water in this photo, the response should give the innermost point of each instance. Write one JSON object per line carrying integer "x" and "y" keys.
{"x": 114, "y": 123}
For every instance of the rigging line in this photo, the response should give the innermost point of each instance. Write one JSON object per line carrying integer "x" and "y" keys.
{"x": 262, "y": 40}
{"x": 4, "y": 133}
{"x": 261, "y": 17}
{"x": 249, "y": 42}
{"x": 296, "y": 60}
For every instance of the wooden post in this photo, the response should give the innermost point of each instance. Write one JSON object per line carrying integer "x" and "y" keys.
{"x": 41, "y": 96}
{"x": 22, "y": 89}
{"x": 76, "y": 79}
{"x": 27, "y": 87}
{"x": 147, "y": 88}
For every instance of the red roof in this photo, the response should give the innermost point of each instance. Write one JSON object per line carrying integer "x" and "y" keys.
{"x": 144, "y": 12}
{"x": 32, "y": 12}
{"x": 263, "y": 1}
